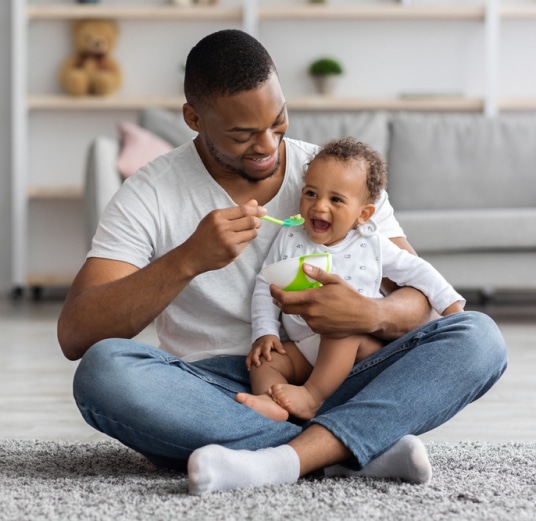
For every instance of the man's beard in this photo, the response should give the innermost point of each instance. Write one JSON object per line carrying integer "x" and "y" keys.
{"x": 242, "y": 173}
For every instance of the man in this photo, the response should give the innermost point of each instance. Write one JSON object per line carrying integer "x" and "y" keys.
{"x": 181, "y": 244}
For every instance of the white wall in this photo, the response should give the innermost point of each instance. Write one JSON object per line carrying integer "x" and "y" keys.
{"x": 5, "y": 161}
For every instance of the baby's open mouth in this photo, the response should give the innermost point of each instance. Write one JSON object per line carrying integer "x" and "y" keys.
{"x": 319, "y": 225}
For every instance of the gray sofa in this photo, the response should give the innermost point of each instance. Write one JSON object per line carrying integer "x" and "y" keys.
{"x": 463, "y": 186}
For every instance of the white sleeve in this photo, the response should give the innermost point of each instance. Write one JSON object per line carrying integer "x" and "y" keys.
{"x": 406, "y": 269}
{"x": 129, "y": 226}
{"x": 265, "y": 314}
{"x": 384, "y": 216}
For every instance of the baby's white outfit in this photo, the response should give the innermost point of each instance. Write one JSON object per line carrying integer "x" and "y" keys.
{"x": 362, "y": 259}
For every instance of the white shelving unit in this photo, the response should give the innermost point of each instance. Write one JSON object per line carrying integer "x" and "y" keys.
{"x": 24, "y": 15}
{"x": 250, "y": 15}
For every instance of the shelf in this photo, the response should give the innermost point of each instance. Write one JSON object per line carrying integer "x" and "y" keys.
{"x": 66, "y": 102}
{"x": 249, "y": 14}
{"x": 54, "y": 192}
{"x": 315, "y": 103}
{"x": 518, "y": 12}
{"x": 372, "y": 12}
{"x": 447, "y": 103}
{"x": 36, "y": 280}
{"x": 135, "y": 12}
{"x": 517, "y": 104}
{"x": 297, "y": 12}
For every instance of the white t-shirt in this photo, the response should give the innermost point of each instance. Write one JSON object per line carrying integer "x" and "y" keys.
{"x": 160, "y": 206}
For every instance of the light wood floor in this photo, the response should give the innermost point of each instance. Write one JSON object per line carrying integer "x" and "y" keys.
{"x": 36, "y": 401}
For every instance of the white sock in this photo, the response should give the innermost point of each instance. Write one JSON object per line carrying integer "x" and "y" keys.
{"x": 407, "y": 459}
{"x": 215, "y": 468}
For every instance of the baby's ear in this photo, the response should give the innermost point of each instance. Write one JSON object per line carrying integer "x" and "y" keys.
{"x": 366, "y": 213}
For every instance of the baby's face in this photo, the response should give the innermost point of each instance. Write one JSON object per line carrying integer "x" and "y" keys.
{"x": 332, "y": 199}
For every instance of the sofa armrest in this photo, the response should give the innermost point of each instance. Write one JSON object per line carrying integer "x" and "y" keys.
{"x": 101, "y": 182}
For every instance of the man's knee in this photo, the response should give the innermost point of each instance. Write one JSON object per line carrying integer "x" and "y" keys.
{"x": 483, "y": 344}
{"x": 483, "y": 333}
{"x": 97, "y": 368}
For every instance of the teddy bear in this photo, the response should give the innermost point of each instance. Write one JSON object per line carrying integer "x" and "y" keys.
{"x": 91, "y": 69}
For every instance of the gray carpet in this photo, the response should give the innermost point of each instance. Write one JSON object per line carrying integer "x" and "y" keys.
{"x": 105, "y": 481}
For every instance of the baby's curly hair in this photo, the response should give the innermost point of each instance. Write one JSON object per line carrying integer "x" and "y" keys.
{"x": 224, "y": 63}
{"x": 347, "y": 149}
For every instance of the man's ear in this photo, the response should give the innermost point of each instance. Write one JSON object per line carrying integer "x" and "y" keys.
{"x": 191, "y": 117}
{"x": 366, "y": 213}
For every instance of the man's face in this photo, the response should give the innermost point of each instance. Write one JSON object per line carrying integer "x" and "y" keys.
{"x": 242, "y": 134}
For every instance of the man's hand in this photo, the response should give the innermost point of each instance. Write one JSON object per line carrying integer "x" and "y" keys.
{"x": 262, "y": 347}
{"x": 330, "y": 310}
{"x": 222, "y": 235}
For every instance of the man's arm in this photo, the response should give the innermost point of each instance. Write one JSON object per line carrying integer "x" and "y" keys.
{"x": 112, "y": 299}
{"x": 338, "y": 310}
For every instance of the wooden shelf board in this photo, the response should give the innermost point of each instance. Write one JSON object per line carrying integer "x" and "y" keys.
{"x": 518, "y": 12}
{"x": 55, "y": 192}
{"x": 65, "y": 102}
{"x": 415, "y": 103}
{"x": 517, "y": 104}
{"x": 372, "y": 12}
{"x": 221, "y": 12}
{"x": 314, "y": 102}
{"x": 49, "y": 280}
{"x": 132, "y": 12}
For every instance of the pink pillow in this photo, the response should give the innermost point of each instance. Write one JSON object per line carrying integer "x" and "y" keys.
{"x": 138, "y": 147}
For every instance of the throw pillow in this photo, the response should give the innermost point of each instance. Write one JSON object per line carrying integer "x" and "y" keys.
{"x": 138, "y": 147}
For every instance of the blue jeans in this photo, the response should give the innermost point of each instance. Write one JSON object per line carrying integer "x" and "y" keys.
{"x": 165, "y": 408}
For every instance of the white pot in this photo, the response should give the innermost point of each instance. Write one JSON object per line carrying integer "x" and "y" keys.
{"x": 325, "y": 84}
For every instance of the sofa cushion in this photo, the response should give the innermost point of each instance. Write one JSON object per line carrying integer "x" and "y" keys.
{"x": 370, "y": 127}
{"x": 450, "y": 161}
{"x": 169, "y": 125}
{"x": 440, "y": 231}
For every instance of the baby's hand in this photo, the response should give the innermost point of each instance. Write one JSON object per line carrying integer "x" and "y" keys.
{"x": 262, "y": 348}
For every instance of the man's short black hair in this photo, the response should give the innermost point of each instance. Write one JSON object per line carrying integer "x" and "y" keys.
{"x": 225, "y": 63}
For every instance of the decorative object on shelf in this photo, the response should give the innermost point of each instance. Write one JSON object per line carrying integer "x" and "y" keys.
{"x": 324, "y": 72}
{"x": 91, "y": 69}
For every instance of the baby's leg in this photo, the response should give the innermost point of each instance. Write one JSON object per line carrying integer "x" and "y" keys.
{"x": 280, "y": 370}
{"x": 368, "y": 344}
{"x": 336, "y": 358}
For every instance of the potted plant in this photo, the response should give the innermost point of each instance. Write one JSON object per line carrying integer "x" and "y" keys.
{"x": 324, "y": 72}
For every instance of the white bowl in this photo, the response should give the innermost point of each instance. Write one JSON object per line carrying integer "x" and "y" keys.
{"x": 289, "y": 276}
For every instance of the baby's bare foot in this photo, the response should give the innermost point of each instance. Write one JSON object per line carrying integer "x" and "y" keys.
{"x": 264, "y": 405}
{"x": 296, "y": 399}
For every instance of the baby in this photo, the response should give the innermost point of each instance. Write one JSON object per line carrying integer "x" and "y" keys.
{"x": 342, "y": 183}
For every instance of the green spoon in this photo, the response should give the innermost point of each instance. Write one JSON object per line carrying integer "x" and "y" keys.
{"x": 295, "y": 220}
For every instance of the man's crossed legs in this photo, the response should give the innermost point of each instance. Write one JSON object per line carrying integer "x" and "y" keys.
{"x": 171, "y": 411}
